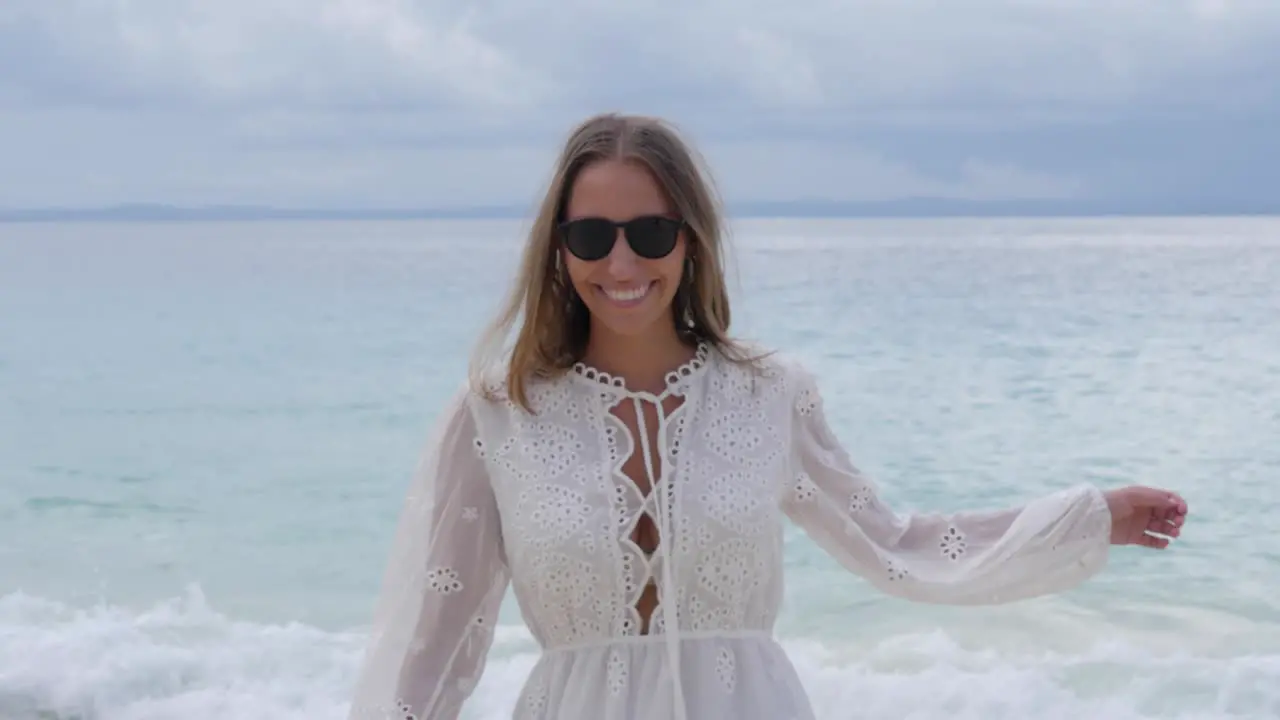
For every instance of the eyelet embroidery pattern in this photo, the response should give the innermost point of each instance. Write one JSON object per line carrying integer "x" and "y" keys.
{"x": 726, "y": 669}
{"x": 860, "y": 500}
{"x": 804, "y": 488}
{"x": 616, "y": 673}
{"x": 680, "y": 425}
{"x": 733, "y": 434}
{"x": 556, "y": 512}
{"x": 731, "y": 570}
{"x": 554, "y": 447}
{"x": 444, "y": 581}
{"x": 695, "y": 538}
{"x": 536, "y": 700}
{"x": 732, "y": 501}
{"x": 807, "y": 402}
{"x": 953, "y": 544}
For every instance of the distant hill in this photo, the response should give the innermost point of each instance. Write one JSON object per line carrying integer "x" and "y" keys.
{"x": 904, "y": 208}
{"x": 171, "y": 213}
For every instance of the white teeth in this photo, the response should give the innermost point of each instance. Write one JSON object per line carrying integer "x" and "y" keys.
{"x": 627, "y": 295}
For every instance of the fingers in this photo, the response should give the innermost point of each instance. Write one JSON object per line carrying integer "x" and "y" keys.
{"x": 1172, "y": 528}
{"x": 1163, "y": 501}
{"x": 1153, "y": 542}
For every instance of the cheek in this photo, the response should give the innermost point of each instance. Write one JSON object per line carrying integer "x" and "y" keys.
{"x": 673, "y": 265}
{"x": 577, "y": 270}
{"x": 672, "y": 271}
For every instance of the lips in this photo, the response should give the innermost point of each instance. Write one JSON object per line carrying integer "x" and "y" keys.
{"x": 627, "y": 296}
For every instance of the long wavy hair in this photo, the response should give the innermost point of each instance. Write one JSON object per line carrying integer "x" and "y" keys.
{"x": 551, "y": 323}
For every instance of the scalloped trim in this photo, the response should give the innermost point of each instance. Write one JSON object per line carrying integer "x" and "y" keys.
{"x": 673, "y": 379}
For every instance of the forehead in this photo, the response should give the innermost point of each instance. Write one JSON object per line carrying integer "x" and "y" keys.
{"x": 615, "y": 189}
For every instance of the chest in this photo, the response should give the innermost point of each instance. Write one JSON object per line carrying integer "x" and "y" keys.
{"x": 589, "y": 471}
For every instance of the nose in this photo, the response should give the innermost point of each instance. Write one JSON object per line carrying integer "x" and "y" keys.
{"x": 622, "y": 260}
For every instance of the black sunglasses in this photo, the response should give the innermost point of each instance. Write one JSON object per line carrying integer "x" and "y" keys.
{"x": 592, "y": 238}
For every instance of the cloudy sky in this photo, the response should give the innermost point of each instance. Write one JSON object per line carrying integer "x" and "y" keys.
{"x": 445, "y": 103}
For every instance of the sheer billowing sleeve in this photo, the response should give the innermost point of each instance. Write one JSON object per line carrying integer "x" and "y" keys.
{"x": 447, "y": 574}
{"x": 984, "y": 557}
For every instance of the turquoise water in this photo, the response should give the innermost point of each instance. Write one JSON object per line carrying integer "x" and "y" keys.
{"x": 206, "y": 431}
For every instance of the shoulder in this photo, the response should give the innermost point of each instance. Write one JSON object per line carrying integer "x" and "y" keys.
{"x": 471, "y": 415}
{"x": 490, "y": 395}
{"x": 781, "y": 373}
{"x": 486, "y": 386}
{"x": 765, "y": 360}
{"x": 468, "y": 401}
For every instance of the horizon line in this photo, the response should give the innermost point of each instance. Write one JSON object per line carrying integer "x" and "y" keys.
{"x": 908, "y": 207}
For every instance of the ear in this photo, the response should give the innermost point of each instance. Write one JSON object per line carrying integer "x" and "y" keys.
{"x": 690, "y": 243}
{"x": 689, "y": 237}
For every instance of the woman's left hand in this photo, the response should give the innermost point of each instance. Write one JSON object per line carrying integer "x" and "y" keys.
{"x": 1137, "y": 512}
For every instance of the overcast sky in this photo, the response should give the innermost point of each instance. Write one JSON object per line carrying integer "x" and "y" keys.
{"x": 431, "y": 103}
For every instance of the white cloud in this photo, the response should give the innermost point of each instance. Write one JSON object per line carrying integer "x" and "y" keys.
{"x": 863, "y": 53}
{"x": 232, "y": 98}
{"x": 347, "y": 52}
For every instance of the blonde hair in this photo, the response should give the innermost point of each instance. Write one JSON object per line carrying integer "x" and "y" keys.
{"x": 553, "y": 324}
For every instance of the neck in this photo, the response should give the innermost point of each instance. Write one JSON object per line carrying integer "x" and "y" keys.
{"x": 642, "y": 361}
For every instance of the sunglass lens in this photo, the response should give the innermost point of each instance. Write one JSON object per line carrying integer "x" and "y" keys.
{"x": 653, "y": 237}
{"x": 590, "y": 238}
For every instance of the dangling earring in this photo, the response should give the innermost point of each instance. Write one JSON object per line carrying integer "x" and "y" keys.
{"x": 575, "y": 308}
{"x": 562, "y": 278}
{"x": 688, "y": 293}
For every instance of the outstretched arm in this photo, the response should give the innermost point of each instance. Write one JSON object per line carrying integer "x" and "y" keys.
{"x": 1050, "y": 544}
{"x": 443, "y": 585}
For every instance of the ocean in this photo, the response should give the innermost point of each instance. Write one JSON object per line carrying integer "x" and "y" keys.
{"x": 206, "y": 431}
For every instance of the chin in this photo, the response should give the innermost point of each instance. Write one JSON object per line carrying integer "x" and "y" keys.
{"x": 631, "y": 326}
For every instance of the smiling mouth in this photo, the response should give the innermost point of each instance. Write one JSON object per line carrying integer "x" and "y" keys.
{"x": 629, "y": 296}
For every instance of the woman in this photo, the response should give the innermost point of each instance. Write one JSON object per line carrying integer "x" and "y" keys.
{"x": 626, "y": 465}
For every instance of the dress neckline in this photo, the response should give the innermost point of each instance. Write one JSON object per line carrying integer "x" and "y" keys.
{"x": 674, "y": 381}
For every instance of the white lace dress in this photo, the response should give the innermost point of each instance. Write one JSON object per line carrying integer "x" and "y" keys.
{"x": 540, "y": 502}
